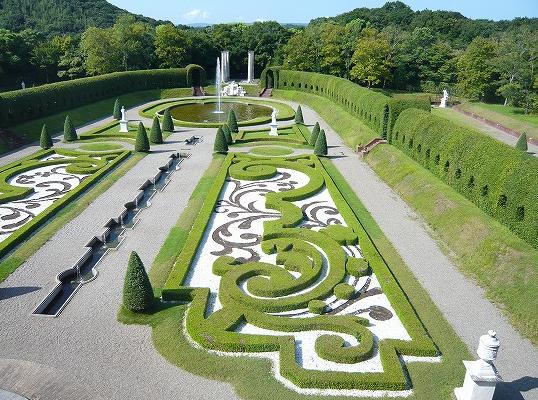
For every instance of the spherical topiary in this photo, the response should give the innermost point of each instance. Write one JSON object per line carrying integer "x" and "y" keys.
{"x": 142, "y": 142}
{"x": 316, "y": 306}
{"x": 137, "y": 291}
{"x": 220, "y": 145}
{"x": 156, "y": 135}
{"x": 227, "y": 133}
{"x": 70, "y": 133}
{"x": 314, "y": 135}
{"x": 117, "y": 110}
{"x": 321, "y": 144}
{"x": 168, "y": 123}
{"x": 45, "y": 141}
{"x": 299, "y": 116}
{"x": 344, "y": 291}
{"x": 232, "y": 122}
{"x": 522, "y": 142}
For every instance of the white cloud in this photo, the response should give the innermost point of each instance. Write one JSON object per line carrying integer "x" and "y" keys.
{"x": 261, "y": 20}
{"x": 195, "y": 15}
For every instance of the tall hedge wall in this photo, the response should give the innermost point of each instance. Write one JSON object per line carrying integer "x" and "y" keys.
{"x": 499, "y": 179}
{"x": 23, "y": 105}
{"x": 377, "y": 110}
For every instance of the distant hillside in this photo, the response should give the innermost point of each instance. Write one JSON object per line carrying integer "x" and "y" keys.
{"x": 59, "y": 16}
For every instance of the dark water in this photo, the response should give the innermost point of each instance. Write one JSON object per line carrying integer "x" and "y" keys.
{"x": 205, "y": 112}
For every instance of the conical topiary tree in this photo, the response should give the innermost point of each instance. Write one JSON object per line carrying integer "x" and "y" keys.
{"x": 321, "y": 144}
{"x": 232, "y": 122}
{"x": 156, "y": 135}
{"x": 137, "y": 291}
{"x": 299, "y": 116}
{"x": 220, "y": 142}
{"x": 227, "y": 133}
{"x": 117, "y": 110}
{"x": 45, "y": 141}
{"x": 522, "y": 142}
{"x": 70, "y": 133}
{"x": 314, "y": 135}
{"x": 142, "y": 143}
{"x": 168, "y": 124}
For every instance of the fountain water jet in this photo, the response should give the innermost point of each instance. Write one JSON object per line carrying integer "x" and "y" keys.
{"x": 218, "y": 82}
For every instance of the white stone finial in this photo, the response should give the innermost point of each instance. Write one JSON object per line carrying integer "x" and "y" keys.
{"x": 488, "y": 347}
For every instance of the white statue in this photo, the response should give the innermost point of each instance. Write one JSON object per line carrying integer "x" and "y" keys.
{"x": 274, "y": 124}
{"x": 124, "y": 124}
{"x": 444, "y": 100}
{"x": 233, "y": 89}
{"x": 23, "y": 85}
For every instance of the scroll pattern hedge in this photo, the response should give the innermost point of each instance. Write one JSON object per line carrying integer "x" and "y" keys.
{"x": 378, "y": 111}
{"x": 499, "y": 179}
{"x": 23, "y": 105}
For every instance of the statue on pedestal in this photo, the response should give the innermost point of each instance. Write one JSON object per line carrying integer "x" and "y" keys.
{"x": 274, "y": 124}
{"x": 124, "y": 128}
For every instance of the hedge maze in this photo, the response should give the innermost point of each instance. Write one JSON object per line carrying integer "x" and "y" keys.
{"x": 278, "y": 263}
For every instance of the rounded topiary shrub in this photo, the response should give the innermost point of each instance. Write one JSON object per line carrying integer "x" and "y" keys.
{"x": 357, "y": 267}
{"x": 70, "y": 133}
{"x": 116, "y": 113}
{"x": 137, "y": 291}
{"x": 156, "y": 135}
{"x": 344, "y": 291}
{"x": 142, "y": 142}
{"x": 522, "y": 142}
{"x": 299, "y": 116}
{"x": 316, "y": 306}
{"x": 168, "y": 123}
{"x": 227, "y": 133}
{"x": 314, "y": 135}
{"x": 232, "y": 122}
{"x": 45, "y": 141}
{"x": 321, "y": 144}
{"x": 220, "y": 146}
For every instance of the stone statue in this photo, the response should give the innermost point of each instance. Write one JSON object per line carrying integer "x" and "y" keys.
{"x": 274, "y": 124}
{"x": 124, "y": 124}
{"x": 444, "y": 100}
{"x": 123, "y": 118}
{"x": 23, "y": 85}
{"x": 273, "y": 117}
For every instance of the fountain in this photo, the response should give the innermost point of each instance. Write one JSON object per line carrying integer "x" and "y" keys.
{"x": 218, "y": 82}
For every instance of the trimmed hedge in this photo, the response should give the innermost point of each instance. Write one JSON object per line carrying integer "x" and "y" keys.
{"x": 499, "y": 179}
{"x": 142, "y": 142}
{"x": 116, "y": 113}
{"x": 221, "y": 144}
{"x": 70, "y": 133}
{"x": 378, "y": 111}
{"x": 314, "y": 135}
{"x": 521, "y": 143}
{"x": 137, "y": 291}
{"x": 156, "y": 135}
{"x": 232, "y": 122}
{"x": 23, "y": 105}
{"x": 45, "y": 141}
{"x": 321, "y": 144}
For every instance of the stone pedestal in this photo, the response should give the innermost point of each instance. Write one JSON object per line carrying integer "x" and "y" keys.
{"x": 250, "y": 78}
{"x": 124, "y": 128}
{"x": 274, "y": 130}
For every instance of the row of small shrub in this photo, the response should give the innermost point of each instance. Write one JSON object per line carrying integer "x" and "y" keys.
{"x": 378, "y": 111}
{"x": 499, "y": 179}
{"x": 23, "y": 105}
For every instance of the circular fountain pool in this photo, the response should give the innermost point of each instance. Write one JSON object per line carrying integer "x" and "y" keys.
{"x": 204, "y": 113}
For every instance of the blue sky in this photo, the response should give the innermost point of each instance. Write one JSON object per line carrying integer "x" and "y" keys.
{"x": 217, "y": 11}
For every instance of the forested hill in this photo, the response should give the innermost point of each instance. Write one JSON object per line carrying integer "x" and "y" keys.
{"x": 451, "y": 26}
{"x": 57, "y": 17}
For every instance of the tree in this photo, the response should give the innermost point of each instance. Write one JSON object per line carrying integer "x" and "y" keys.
{"x": 371, "y": 59}
{"x": 70, "y": 133}
{"x": 321, "y": 144}
{"x": 522, "y": 142}
{"x": 168, "y": 123}
{"x": 101, "y": 50}
{"x": 46, "y": 55}
{"x": 302, "y": 52}
{"x": 232, "y": 122}
{"x": 142, "y": 143}
{"x": 45, "y": 141}
{"x": 314, "y": 135}
{"x": 172, "y": 46}
{"x": 117, "y": 110}
{"x": 299, "y": 116}
{"x": 137, "y": 291}
{"x": 136, "y": 42}
{"x": 476, "y": 74}
{"x": 71, "y": 63}
{"x": 156, "y": 135}
{"x": 220, "y": 145}
{"x": 227, "y": 133}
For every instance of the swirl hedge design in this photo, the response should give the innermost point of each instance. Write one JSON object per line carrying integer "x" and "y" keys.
{"x": 327, "y": 279}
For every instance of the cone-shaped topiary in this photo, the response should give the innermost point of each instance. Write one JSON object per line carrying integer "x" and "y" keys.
{"x": 142, "y": 143}
{"x": 220, "y": 142}
{"x": 117, "y": 110}
{"x": 227, "y": 133}
{"x": 314, "y": 135}
{"x": 70, "y": 133}
{"x": 45, "y": 141}
{"x": 168, "y": 124}
{"x": 137, "y": 291}
{"x": 321, "y": 144}
{"x": 299, "y": 116}
{"x": 156, "y": 135}
{"x": 522, "y": 142}
{"x": 232, "y": 122}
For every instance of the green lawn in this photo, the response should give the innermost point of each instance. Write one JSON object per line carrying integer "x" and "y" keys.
{"x": 508, "y": 116}
{"x": 504, "y": 265}
{"x": 271, "y": 151}
{"x": 100, "y": 146}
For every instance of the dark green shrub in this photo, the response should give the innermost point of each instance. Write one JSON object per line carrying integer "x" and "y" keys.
{"x": 522, "y": 142}
{"x": 232, "y": 122}
{"x": 116, "y": 114}
{"x": 70, "y": 133}
{"x": 142, "y": 142}
{"x": 168, "y": 123}
{"x": 45, "y": 141}
{"x": 344, "y": 291}
{"x": 137, "y": 291}
{"x": 299, "y": 116}
{"x": 316, "y": 306}
{"x": 314, "y": 135}
{"x": 220, "y": 146}
{"x": 321, "y": 144}
{"x": 227, "y": 133}
{"x": 156, "y": 135}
